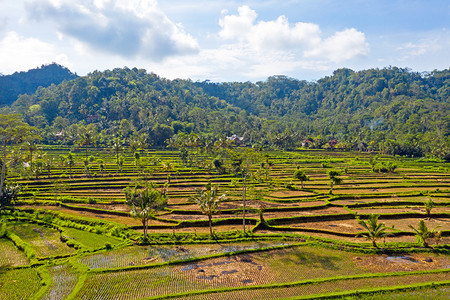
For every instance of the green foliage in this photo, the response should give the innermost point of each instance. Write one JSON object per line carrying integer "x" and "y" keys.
{"x": 22, "y": 83}
{"x": 423, "y": 234}
{"x": 390, "y": 110}
{"x": 334, "y": 179}
{"x": 208, "y": 201}
{"x": 20, "y": 284}
{"x": 145, "y": 203}
{"x": 429, "y": 204}
{"x": 300, "y": 175}
{"x": 374, "y": 229}
{"x": 9, "y": 194}
{"x": 2, "y": 229}
{"x": 21, "y": 245}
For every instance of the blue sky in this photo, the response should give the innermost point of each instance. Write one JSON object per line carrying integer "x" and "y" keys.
{"x": 225, "y": 40}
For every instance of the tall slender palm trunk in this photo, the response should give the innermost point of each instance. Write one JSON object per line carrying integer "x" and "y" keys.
{"x": 2, "y": 177}
{"x": 210, "y": 225}
{"x": 145, "y": 226}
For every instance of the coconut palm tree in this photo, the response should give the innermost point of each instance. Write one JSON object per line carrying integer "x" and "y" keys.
{"x": 374, "y": 229}
{"x": 87, "y": 135}
{"x": 116, "y": 147}
{"x": 208, "y": 200}
{"x": 145, "y": 203}
{"x": 423, "y": 233}
{"x": 70, "y": 163}
{"x": 31, "y": 147}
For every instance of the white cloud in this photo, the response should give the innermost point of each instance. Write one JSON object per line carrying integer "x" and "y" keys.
{"x": 302, "y": 39}
{"x": 343, "y": 45}
{"x": 131, "y": 29}
{"x": 237, "y": 26}
{"x": 411, "y": 50}
{"x": 20, "y": 54}
{"x": 248, "y": 49}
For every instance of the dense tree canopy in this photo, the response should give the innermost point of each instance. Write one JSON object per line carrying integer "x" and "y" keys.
{"x": 391, "y": 110}
{"x": 11, "y": 86}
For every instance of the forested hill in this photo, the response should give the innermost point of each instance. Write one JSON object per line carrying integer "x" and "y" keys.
{"x": 11, "y": 86}
{"x": 393, "y": 109}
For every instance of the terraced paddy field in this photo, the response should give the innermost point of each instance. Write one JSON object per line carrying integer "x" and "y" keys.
{"x": 70, "y": 234}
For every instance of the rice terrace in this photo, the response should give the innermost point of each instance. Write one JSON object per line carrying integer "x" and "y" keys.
{"x": 283, "y": 224}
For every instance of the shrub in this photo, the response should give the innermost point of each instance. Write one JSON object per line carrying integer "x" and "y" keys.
{"x": 47, "y": 218}
{"x": 115, "y": 231}
{"x": 98, "y": 229}
{"x": 2, "y": 229}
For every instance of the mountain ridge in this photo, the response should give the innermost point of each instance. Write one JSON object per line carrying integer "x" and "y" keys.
{"x": 11, "y": 86}
{"x": 391, "y": 108}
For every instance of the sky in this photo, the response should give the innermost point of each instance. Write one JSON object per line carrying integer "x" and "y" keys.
{"x": 225, "y": 40}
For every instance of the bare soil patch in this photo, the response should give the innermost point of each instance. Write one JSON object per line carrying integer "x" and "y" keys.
{"x": 230, "y": 271}
{"x": 396, "y": 210}
{"x": 338, "y": 191}
{"x": 199, "y": 229}
{"x": 403, "y": 224}
{"x": 289, "y": 194}
{"x": 113, "y": 207}
{"x": 346, "y": 226}
{"x": 404, "y": 262}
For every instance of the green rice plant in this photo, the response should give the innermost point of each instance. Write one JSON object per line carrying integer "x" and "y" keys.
{"x": 63, "y": 282}
{"x": 19, "y": 284}
{"x": 10, "y": 255}
{"x": 21, "y": 245}
{"x": 344, "y": 287}
{"x": 43, "y": 241}
{"x": 421, "y": 292}
{"x": 155, "y": 254}
{"x": 90, "y": 240}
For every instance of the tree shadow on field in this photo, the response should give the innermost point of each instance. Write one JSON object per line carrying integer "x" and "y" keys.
{"x": 4, "y": 268}
{"x": 314, "y": 260}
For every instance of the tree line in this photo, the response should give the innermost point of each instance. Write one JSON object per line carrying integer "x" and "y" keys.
{"x": 391, "y": 110}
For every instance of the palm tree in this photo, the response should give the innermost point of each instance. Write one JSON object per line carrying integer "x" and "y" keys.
{"x": 374, "y": 229}
{"x": 101, "y": 165}
{"x": 137, "y": 160}
{"x": 12, "y": 131}
{"x": 145, "y": 203}
{"x": 332, "y": 174}
{"x": 116, "y": 147}
{"x": 58, "y": 187}
{"x": 86, "y": 138}
{"x": 208, "y": 201}
{"x": 31, "y": 147}
{"x": 62, "y": 160}
{"x": 70, "y": 163}
{"x": 423, "y": 233}
{"x": 300, "y": 175}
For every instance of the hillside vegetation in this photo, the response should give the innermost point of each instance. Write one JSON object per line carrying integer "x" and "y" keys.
{"x": 390, "y": 110}
{"x": 11, "y": 86}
